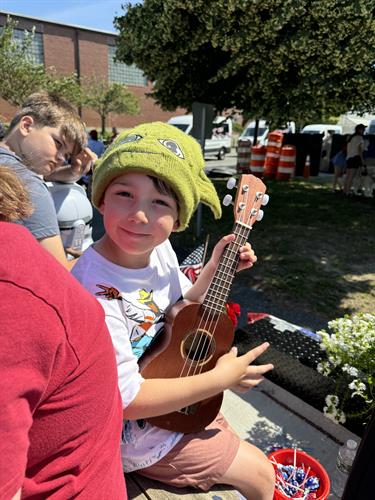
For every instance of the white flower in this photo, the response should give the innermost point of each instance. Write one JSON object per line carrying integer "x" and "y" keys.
{"x": 323, "y": 368}
{"x": 332, "y": 399}
{"x": 340, "y": 416}
{"x": 350, "y": 370}
{"x": 357, "y": 385}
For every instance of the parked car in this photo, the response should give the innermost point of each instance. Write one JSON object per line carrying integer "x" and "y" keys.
{"x": 221, "y": 140}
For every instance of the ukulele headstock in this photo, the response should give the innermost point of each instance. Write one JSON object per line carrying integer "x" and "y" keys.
{"x": 250, "y": 197}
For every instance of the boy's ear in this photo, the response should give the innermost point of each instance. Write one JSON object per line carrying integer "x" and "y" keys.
{"x": 26, "y": 124}
{"x": 175, "y": 226}
{"x": 101, "y": 207}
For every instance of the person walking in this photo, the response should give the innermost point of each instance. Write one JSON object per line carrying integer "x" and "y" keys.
{"x": 354, "y": 156}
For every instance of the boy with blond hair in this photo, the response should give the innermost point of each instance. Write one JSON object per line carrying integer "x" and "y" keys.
{"x": 41, "y": 137}
{"x": 148, "y": 184}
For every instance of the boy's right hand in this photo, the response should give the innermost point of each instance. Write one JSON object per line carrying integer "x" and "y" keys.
{"x": 237, "y": 372}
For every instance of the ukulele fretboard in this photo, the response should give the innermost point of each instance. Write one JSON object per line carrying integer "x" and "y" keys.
{"x": 218, "y": 292}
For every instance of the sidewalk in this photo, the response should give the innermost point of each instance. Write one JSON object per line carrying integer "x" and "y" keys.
{"x": 271, "y": 417}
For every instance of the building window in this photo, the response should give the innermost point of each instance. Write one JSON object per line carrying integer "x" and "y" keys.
{"x": 35, "y": 51}
{"x": 119, "y": 72}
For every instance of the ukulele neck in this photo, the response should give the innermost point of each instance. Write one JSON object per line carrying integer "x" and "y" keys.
{"x": 218, "y": 292}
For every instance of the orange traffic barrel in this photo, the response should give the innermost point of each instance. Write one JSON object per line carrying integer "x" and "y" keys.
{"x": 306, "y": 168}
{"x": 287, "y": 163}
{"x": 243, "y": 156}
{"x": 258, "y": 156}
{"x": 275, "y": 140}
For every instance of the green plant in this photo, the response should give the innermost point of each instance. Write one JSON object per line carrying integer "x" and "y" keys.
{"x": 350, "y": 348}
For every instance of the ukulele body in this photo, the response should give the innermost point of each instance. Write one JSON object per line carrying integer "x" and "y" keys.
{"x": 191, "y": 344}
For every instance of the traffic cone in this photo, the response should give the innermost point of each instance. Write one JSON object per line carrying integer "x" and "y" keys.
{"x": 306, "y": 169}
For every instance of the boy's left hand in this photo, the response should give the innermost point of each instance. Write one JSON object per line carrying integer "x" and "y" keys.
{"x": 247, "y": 255}
{"x": 83, "y": 162}
{"x": 80, "y": 165}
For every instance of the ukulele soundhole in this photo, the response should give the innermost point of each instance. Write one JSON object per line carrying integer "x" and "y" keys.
{"x": 198, "y": 346}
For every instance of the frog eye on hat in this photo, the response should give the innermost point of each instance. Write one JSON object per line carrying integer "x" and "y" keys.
{"x": 172, "y": 146}
{"x": 131, "y": 138}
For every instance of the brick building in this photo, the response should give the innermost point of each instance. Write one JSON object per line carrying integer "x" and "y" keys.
{"x": 89, "y": 53}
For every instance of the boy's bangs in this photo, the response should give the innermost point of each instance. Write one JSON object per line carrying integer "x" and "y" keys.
{"x": 163, "y": 188}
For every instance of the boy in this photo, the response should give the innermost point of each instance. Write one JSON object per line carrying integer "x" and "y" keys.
{"x": 148, "y": 184}
{"x": 56, "y": 363}
{"x": 44, "y": 133}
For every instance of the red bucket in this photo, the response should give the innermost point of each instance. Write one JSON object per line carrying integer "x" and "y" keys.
{"x": 285, "y": 456}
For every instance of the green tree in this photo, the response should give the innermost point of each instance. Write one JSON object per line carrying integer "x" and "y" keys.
{"x": 105, "y": 98}
{"x": 66, "y": 86}
{"x": 20, "y": 76}
{"x": 275, "y": 59}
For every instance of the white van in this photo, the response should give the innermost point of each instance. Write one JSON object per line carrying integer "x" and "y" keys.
{"x": 263, "y": 130}
{"x": 322, "y": 128}
{"x": 221, "y": 140}
{"x": 248, "y": 132}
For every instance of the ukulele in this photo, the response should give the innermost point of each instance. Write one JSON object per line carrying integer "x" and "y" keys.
{"x": 196, "y": 335}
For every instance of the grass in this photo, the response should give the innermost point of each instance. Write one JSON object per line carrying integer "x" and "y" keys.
{"x": 316, "y": 250}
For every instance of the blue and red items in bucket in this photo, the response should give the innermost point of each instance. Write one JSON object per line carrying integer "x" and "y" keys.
{"x": 298, "y": 475}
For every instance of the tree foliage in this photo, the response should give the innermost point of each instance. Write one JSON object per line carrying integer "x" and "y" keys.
{"x": 276, "y": 59}
{"x": 20, "y": 76}
{"x": 105, "y": 98}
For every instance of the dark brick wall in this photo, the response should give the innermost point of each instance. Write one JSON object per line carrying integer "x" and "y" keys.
{"x": 60, "y": 51}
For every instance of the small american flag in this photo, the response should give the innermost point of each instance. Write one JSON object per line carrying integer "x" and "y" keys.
{"x": 192, "y": 265}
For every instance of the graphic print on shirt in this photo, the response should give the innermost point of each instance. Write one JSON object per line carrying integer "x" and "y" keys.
{"x": 141, "y": 312}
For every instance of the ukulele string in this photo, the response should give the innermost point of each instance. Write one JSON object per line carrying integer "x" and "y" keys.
{"x": 199, "y": 344}
{"x": 213, "y": 316}
{"x": 244, "y": 229}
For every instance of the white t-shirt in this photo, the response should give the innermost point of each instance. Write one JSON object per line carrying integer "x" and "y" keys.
{"x": 352, "y": 148}
{"x": 134, "y": 301}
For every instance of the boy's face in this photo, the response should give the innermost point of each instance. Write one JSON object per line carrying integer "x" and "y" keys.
{"x": 137, "y": 218}
{"x": 43, "y": 148}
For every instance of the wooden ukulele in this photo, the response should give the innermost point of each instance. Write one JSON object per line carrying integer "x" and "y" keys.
{"x": 196, "y": 335}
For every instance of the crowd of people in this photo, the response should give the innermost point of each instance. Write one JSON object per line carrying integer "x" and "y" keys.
{"x": 75, "y": 406}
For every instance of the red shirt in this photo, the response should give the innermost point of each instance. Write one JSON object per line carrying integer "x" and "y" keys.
{"x": 60, "y": 410}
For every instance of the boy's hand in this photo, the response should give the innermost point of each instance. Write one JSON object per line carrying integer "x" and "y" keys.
{"x": 80, "y": 165}
{"x": 247, "y": 255}
{"x": 237, "y": 372}
{"x": 83, "y": 162}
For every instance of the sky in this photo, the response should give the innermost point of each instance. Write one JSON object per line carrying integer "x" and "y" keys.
{"x": 95, "y": 14}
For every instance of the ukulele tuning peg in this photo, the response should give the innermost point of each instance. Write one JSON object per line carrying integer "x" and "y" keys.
{"x": 227, "y": 200}
{"x": 265, "y": 199}
{"x": 260, "y": 215}
{"x": 231, "y": 183}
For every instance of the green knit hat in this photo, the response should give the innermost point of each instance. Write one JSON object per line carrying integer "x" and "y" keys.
{"x": 163, "y": 151}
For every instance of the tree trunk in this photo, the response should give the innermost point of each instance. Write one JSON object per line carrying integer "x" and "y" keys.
{"x": 103, "y": 125}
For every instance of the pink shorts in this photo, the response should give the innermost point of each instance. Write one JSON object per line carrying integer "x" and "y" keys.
{"x": 198, "y": 460}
